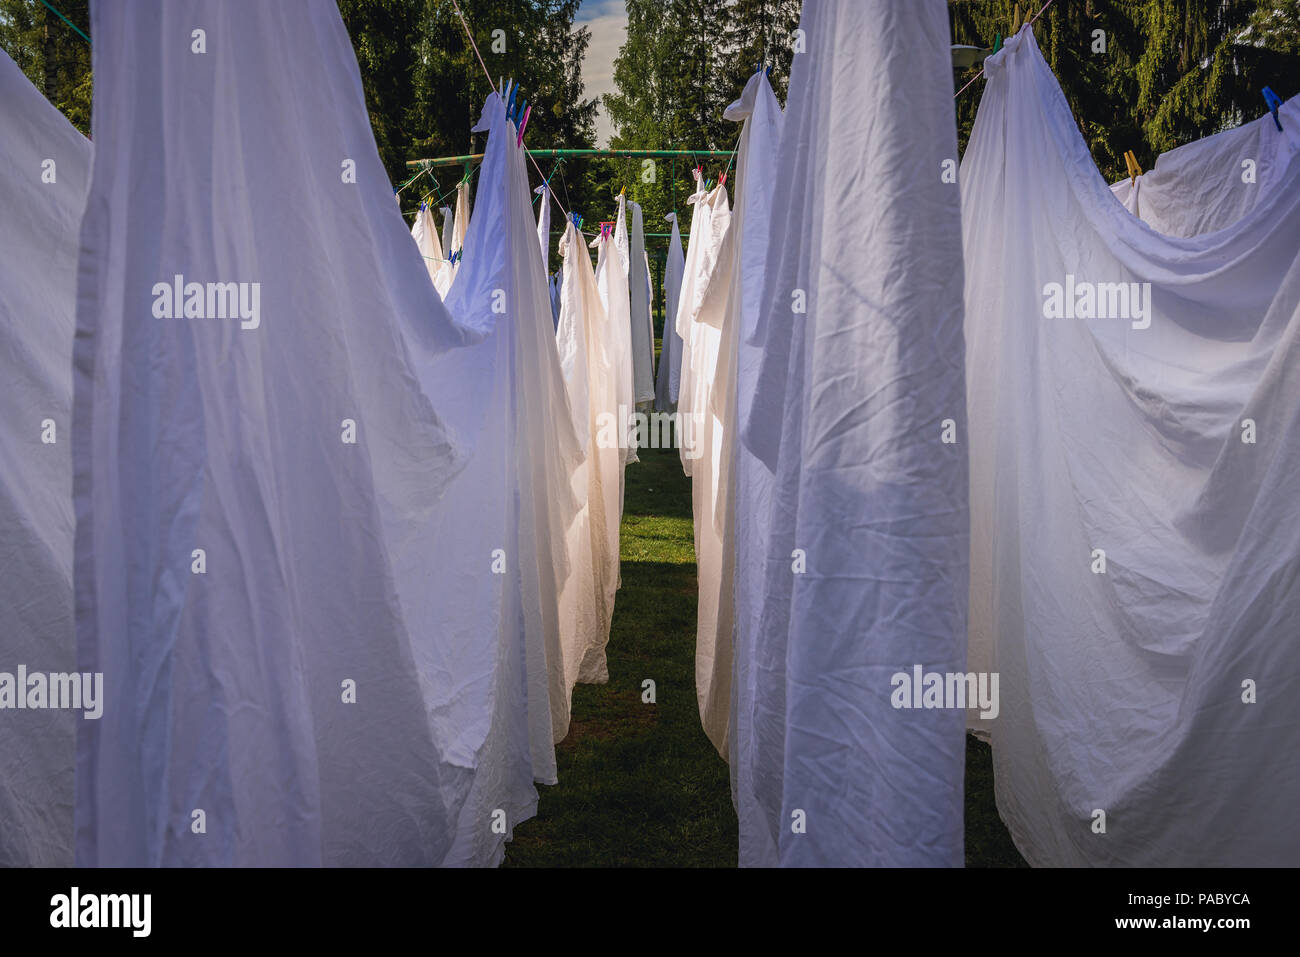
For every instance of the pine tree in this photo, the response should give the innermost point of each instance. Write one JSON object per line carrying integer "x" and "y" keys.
{"x": 52, "y": 55}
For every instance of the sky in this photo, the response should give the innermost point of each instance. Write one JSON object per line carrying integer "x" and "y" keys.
{"x": 607, "y": 20}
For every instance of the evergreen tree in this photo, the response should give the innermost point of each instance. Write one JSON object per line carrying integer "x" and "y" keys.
{"x": 52, "y": 55}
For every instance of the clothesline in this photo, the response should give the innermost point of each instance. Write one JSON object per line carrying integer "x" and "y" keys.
{"x": 487, "y": 74}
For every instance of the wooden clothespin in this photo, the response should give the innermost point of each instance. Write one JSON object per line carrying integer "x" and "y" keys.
{"x": 1015, "y": 19}
{"x": 1130, "y": 161}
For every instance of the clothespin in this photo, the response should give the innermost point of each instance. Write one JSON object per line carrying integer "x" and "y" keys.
{"x": 722, "y": 180}
{"x": 510, "y": 103}
{"x": 997, "y": 42}
{"x": 1131, "y": 163}
{"x": 1273, "y": 102}
{"x": 524, "y": 125}
{"x": 1015, "y": 19}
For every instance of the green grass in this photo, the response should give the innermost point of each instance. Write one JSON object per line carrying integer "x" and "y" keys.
{"x": 640, "y": 784}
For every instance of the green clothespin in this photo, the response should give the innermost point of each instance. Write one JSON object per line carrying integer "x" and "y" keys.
{"x": 997, "y": 42}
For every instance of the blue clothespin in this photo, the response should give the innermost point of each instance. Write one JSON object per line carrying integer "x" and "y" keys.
{"x": 519, "y": 110}
{"x": 510, "y": 104}
{"x": 769, "y": 73}
{"x": 1273, "y": 102}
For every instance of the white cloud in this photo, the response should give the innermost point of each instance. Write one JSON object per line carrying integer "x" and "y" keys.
{"x": 607, "y": 20}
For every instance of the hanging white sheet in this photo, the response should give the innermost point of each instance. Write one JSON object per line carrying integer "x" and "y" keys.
{"x": 734, "y": 287}
{"x": 1135, "y": 542}
{"x": 642, "y": 329}
{"x": 737, "y": 509}
{"x": 1191, "y": 190}
{"x": 544, "y": 229}
{"x": 668, "y": 379}
{"x": 866, "y": 560}
{"x": 709, "y": 224}
{"x": 290, "y": 518}
{"x": 611, "y": 280}
{"x": 447, "y": 231}
{"x": 587, "y": 602}
{"x": 44, "y": 173}
{"x": 426, "y": 239}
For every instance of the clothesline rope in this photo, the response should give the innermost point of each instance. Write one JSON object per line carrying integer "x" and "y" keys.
{"x": 981, "y": 72}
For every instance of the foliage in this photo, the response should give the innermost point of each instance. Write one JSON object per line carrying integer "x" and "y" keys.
{"x": 50, "y": 53}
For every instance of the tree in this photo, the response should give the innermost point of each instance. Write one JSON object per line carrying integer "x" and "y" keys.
{"x": 52, "y": 55}
{"x": 683, "y": 63}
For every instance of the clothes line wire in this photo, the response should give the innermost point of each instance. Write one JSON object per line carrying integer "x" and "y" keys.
{"x": 492, "y": 86}
{"x": 66, "y": 20}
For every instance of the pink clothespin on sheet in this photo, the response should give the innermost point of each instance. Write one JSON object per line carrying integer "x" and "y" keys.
{"x": 524, "y": 125}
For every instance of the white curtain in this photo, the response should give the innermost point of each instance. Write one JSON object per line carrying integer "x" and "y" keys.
{"x": 1133, "y": 404}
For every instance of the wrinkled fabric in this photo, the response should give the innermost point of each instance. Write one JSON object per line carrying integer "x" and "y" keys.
{"x": 460, "y": 219}
{"x": 503, "y": 293}
{"x": 611, "y": 281}
{"x": 642, "y": 332}
{"x": 338, "y": 676}
{"x": 741, "y": 506}
{"x": 728, "y": 306}
{"x": 446, "y": 230}
{"x": 1135, "y": 542}
{"x": 668, "y": 380}
{"x": 544, "y": 230}
{"x": 44, "y": 174}
{"x": 850, "y": 404}
{"x": 426, "y": 239}
{"x": 587, "y": 602}
{"x": 554, "y": 286}
{"x": 709, "y": 224}
{"x": 1194, "y": 189}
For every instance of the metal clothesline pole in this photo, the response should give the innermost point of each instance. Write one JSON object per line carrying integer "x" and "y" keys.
{"x": 564, "y": 154}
